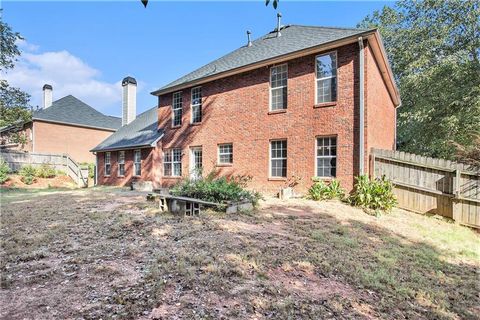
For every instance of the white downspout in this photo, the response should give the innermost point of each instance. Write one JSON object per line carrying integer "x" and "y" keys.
{"x": 95, "y": 181}
{"x": 362, "y": 108}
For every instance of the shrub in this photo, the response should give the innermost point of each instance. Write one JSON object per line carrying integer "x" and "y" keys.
{"x": 220, "y": 190}
{"x": 91, "y": 168}
{"x": 373, "y": 194}
{"x": 28, "y": 174}
{"x": 323, "y": 191}
{"x": 4, "y": 171}
{"x": 45, "y": 171}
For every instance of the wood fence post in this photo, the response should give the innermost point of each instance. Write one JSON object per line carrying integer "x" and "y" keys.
{"x": 456, "y": 200}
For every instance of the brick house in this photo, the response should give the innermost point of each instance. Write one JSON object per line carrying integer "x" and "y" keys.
{"x": 65, "y": 126}
{"x": 299, "y": 101}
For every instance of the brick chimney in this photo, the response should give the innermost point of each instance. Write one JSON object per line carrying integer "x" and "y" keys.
{"x": 129, "y": 100}
{"x": 47, "y": 96}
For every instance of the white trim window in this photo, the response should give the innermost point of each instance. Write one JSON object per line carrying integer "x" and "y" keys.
{"x": 177, "y": 105}
{"x": 326, "y": 73}
{"x": 108, "y": 164}
{"x": 326, "y": 157}
{"x": 172, "y": 162}
{"x": 225, "y": 153}
{"x": 121, "y": 163}
{"x": 278, "y": 87}
{"x": 137, "y": 162}
{"x": 196, "y": 105}
{"x": 278, "y": 158}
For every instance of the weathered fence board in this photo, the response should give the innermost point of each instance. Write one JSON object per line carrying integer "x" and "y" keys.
{"x": 429, "y": 185}
{"x": 16, "y": 160}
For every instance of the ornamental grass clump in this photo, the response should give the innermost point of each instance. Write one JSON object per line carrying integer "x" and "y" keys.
{"x": 374, "y": 194}
{"x": 4, "y": 171}
{"x": 28, "y": 174}
{"x": 320, "y": 190}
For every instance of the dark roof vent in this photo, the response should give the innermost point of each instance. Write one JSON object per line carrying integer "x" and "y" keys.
{"x": 128, "y": 80}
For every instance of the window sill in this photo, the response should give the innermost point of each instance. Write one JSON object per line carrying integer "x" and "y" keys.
{"x": 121, "y": 176}
{"x": 195, "y": 123}
{"x": 277, "y": 179}
{"x": 325, "y": 104}
{"x": 175, "y": 127}
{"x": 325, "y": 178}
{"x": 106, "y": 176}
{"x": 171, "y": 177}
{"x": 224, "y": 164}
{"x": 277, "y": 111}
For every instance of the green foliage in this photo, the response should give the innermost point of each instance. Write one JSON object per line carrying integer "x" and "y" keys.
{"x": 219, "y": 190}
{"x": 373, "y": 194}
{"x": 28, "y": 174}
{"x": 45, "y": 171}
{"x": 433, "y": 48}
{"x": 4, "y": 171}
{"x": 13, "y": 101}
{"x": 323, "y": 191}
{"x": 91, "y": 168}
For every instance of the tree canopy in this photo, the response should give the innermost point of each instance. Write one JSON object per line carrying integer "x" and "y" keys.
{"x": 14, "y": 106}
{"x": 434, "y": 51}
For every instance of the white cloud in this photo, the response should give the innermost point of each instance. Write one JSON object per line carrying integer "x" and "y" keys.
{"x": 67, "y": 74}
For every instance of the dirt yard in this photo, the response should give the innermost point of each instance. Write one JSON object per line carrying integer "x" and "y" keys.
{"x": 107, "y": 253}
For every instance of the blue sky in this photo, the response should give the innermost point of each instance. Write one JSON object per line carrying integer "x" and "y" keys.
{"x": 86, "y": 48}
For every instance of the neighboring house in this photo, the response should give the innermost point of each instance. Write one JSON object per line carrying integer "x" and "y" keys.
{"x": 300, "y": 101}
{"x": 66, "y": 125}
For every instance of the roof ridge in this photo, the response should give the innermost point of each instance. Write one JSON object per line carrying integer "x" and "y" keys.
{"x": 330, "y": 27}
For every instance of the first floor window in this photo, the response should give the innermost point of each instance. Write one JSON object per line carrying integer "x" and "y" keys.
{"x": 225, "y": 153}
{"x": 278, "y": 158}
{"x": 172, "y": 162}
{"x": 197, "y": 105}
{"x": 137, "y": 162}
{"x": 177, "y": 105}
{"x": 121, "y": 163}
{"x": 326, "y": 157}
{"x": 108, "y": 165}
{"x": 278, "y": 87}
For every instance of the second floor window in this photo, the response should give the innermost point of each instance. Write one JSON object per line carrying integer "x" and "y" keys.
{"x": 172, "y": 162}
{"x": 108, "y": 165}
{"x": 121, "y": 163}
{"x": 278, "y": 87}
{"x": 197, "y": 105}
{"x": 177, "y": 105}
{"x": 278, "y": 158}
{"x": 326, "y": 72}
{"x": 137, "y": 162}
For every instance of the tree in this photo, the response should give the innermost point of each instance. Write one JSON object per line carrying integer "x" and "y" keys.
{"x": 13, "y": 101}
{"x": 434, "y": 51}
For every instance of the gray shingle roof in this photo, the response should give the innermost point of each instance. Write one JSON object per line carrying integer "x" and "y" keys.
{"x": 141, "y": 132}
{"x": 293, "y": 38}
{"x": 71, "y": 110}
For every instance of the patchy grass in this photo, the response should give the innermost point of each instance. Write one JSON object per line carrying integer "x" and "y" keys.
{"x": 107, "y": 253}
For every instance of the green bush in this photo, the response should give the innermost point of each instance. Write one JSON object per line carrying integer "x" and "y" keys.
{"x": 373, "y": 194}
{"x": 323, "y": 191}
{"x": 91, "y": 168}
{"x": 4, "y": 171}
{"x": 45, "y": 171}
{"x": 28, "y": 174}
{"x": 220, "y": 190}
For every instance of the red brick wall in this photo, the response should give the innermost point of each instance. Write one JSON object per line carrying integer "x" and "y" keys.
{"x": 150, "y": 168}
{"x": 236, "y": 110}
{"x": 380, "y": 109}
{"x": 62, "y": 138}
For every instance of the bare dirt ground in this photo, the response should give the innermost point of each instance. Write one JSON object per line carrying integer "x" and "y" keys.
{"x": 107, "y": 253}
{"x": 14, "y": 181}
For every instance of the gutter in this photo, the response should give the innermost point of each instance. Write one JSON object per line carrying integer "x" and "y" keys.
{"x": 361, "y": 106}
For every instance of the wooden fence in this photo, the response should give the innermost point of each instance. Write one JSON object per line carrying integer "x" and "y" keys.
{"x": 429, "y": 185}
{"x": 63, "y": 162}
